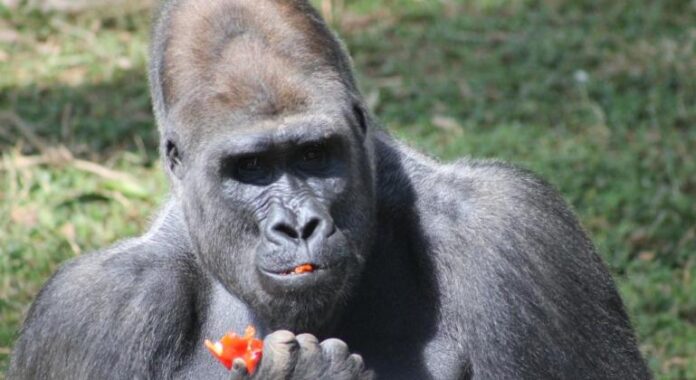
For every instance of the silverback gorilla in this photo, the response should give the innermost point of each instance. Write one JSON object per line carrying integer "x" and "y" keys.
{"x": 421, "y": 270}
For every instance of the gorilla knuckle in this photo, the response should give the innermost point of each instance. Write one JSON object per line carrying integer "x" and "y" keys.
{"x": 307, "y": 340}
{"x": 335, "y": 349}
{"x": 281, "y": 337}
{"x": 357, "y": 362}
{"x": 310, "y": 351}
{"x": 282, "y": 345}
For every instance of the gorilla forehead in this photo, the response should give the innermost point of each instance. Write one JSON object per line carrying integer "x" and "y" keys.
{"x": 265, "y": 57}
{"x": 242, "y": 131}
{"x": 289, "y": 130}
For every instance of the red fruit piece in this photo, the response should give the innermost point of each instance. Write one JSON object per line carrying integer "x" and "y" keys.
{"x": 232, "y": 346}
{"x": 304, "y": 268}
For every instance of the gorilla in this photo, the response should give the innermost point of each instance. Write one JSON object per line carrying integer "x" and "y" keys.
{"x": 414, "y": 269}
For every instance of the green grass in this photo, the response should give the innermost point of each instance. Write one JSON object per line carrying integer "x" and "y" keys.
{"x": 599, "y": 97}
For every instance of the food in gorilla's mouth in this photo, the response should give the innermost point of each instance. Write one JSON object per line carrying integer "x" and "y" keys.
{"x": 232, "y": 346}
{"x": 301, "y": 269}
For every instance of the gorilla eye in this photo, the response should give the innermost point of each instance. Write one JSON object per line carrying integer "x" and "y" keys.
{"x": 313, "y": 153}
{"x": 314, "y": 157}
{"x": 249, "y": 164}
{"x": 252, "y": 169}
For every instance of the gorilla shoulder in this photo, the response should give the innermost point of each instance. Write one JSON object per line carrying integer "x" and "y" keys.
{"x": 511, "y": 213}
{"x": 491, "y": 196}
{"x": 81, "y": 314}
{"x": 502, "y": 239}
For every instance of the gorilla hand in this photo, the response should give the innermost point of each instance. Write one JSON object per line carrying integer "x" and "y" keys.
{"x": 286, "y": 356}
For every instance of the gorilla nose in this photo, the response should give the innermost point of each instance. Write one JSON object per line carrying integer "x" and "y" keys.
{"x": 308, "y": 225}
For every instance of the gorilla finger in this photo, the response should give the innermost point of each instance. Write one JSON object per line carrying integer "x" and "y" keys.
{"x": 352, "y": 368}
{"x": 310, "y": 363}
{"x": 239, "y": 370}
{"x": 280, "y": 352}
{"x": 308, "y": 342}
{"x": 335, "y": 349}
{"x": 356, "y": 363}
{"x": 280, "y": 343}
{"x": 310, "y": 351}
{"x": 309, "y": 348}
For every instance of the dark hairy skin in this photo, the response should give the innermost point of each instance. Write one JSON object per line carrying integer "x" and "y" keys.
{"x": 422, "y": 270}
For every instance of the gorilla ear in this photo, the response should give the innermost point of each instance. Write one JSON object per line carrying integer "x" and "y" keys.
{"x": 173, "y": 159}
{"x": 360, "y": 116}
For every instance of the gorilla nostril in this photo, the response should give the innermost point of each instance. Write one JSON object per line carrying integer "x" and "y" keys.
{"x": 286, "y": 230}
{"x": 308, "y": 230}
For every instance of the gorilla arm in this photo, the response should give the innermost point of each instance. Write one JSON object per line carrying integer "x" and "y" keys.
{"x": 117, "y": 311}
{"x": 531, "y": 297}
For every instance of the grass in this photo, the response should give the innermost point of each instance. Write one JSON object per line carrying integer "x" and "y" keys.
{"x": 599, "y": 97}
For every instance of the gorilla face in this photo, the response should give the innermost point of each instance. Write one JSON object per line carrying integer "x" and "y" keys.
{"x": 269, "y": 151}
{"x": 265, "y": 198}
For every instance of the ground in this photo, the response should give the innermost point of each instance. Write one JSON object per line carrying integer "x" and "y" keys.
{"x": 598, "y": 97}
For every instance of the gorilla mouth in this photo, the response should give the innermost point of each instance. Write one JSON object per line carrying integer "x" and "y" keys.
{"x": 298, "y": 278}
{"x": 300, "y": 269}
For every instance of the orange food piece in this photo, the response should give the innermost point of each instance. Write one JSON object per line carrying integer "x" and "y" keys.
{"x": 232, "y": 346}
{"x": 304, "y": 268}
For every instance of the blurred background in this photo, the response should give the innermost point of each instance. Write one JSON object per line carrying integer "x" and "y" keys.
{"x": 597, "y": 96}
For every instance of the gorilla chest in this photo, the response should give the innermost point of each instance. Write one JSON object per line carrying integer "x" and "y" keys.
{"x": 412, "y": 353}
{"x": 400, "y": 336}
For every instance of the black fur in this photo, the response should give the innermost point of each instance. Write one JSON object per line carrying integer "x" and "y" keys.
{"x": 468, "y": 270}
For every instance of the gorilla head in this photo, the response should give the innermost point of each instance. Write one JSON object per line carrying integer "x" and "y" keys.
{"x": 269, "y": 152}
